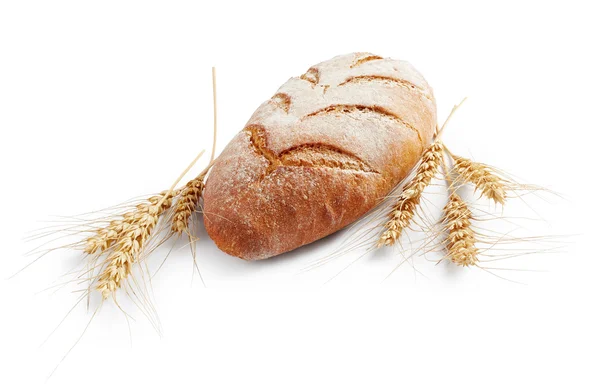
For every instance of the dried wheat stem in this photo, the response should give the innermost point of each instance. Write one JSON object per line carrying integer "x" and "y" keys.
{"x": 438, "y": 131}
{"x": 460, "y": 242}
{"x": 404, "y": 210}
{"x": 135, "y": 230}
{"x": 192, "y": 192}
{"x": 491, "y": 185}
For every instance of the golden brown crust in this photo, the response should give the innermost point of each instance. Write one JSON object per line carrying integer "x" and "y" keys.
{"x": 318, "y": 155}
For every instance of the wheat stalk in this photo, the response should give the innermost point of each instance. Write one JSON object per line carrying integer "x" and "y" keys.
{"x": 104, "y": 238}
{"x": 485, "y": 180}
{"x": 135, "y": 232}
{"x": 405, "y": 208}
{"x": 460, "y": 242}
{"x": 192, "y": 192}
{"x": 127, "y": 250}
{"x": 123, "y": 239}
{"x": 186, "y": 204}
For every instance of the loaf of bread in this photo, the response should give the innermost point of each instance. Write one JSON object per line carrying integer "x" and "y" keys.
{"x": 323, "y": 151}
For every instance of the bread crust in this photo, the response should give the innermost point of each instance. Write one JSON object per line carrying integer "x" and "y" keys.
{"x": 318, "y": 155}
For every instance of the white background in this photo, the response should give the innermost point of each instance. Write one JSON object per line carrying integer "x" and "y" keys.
{"x": 104, "y": 101}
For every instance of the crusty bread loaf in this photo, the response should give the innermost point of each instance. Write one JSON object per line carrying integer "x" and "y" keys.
{"x": 319, "y": 154}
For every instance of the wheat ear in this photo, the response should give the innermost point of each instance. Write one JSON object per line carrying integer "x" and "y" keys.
{"x": 460, "y": 242}
{"x": 482, "y": 176}
{"x": 128, "y": 248}
{"x": 404, "y": 210}
{"x": 186, "y": 204}
{"x": 104, "y": 238}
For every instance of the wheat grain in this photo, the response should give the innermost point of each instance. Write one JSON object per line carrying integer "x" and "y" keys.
{"x": 405, "y": 208}
{"x": 485, "y": 180}
{"x": 105, "y": 237}
{"x": 460, "y": 242}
